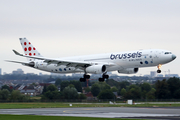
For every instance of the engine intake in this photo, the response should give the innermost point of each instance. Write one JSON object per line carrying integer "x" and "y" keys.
{"x": 129, "y": 70}
{"x": 96, "y": 69}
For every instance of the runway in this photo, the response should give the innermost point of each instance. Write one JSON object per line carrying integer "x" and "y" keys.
{"x": 103, "y": 112}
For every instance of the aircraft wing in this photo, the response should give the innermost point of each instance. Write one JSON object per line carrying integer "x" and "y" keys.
{"x": 58, "y": 62}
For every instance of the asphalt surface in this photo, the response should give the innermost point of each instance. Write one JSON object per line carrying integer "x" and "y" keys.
{"x": 103, "y": 112}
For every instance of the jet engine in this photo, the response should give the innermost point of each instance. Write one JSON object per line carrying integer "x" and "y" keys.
{"x": 96, "y": 69}
{"x": 129, "y": 70}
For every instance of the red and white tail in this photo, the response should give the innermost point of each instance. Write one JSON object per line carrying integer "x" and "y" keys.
{"x": 28, "y": 48}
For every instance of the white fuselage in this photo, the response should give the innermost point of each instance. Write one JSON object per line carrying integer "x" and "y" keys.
{"x": 120, "y": 61}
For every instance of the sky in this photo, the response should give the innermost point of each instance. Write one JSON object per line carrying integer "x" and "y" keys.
{"x": 62, "y": 28}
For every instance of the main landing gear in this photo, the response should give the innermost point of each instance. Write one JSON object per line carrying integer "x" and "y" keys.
{"x": 84, "y": 78}
{"x": 104, "y": 76}
{"x": 159, "y": 67}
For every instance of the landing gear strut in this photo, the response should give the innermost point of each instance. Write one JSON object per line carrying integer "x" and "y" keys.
{"x": 84, "y": 78}
{"x": 159, "y": 67}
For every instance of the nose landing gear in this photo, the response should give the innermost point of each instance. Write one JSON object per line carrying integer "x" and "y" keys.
{"x": 159, "y": 67}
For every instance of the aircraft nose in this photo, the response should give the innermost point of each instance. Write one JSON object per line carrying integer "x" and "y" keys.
{"x": 173, "y": 56}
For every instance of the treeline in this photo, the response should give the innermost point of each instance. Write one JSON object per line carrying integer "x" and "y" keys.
{"x": 110, "y": 89}
{"x": 68, "y": 90}
{"x": 7, "y": 94}
{"x": 164, "y": 89}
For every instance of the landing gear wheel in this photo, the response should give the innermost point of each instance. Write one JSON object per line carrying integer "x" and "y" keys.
{"x": 105, "y": 76}
{"x": 86, "y": 76}
{"x": 101, "y": 79}
{"x": 82, "y": 80}
{"x": 158, "y": 71}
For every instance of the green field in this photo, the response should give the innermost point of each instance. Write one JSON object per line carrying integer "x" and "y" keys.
{"x": 65, "y": 105}
{"x": 35, "y": 117}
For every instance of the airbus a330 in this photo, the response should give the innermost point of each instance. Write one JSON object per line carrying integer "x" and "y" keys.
{"x": 124, "y": 62}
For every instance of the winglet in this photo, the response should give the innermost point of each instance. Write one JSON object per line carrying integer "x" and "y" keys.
{"x": 17, "y": 53}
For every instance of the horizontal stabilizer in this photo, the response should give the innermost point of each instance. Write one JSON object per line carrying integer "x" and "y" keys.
{"x": 16, "y": 62}
{"x": 17, "y": 53}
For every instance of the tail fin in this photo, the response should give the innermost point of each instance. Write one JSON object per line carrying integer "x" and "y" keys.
{"x": 28, "y": 48}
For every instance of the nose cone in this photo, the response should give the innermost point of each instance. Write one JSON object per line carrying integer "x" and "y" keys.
{"x": 173, "y": 56}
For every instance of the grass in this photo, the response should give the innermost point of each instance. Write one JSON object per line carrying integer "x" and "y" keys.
{"x": 65, "y": 105}
{"x": 35, "y": 117}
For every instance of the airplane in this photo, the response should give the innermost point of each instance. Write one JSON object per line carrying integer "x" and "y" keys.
{"x": 123, "y": 62}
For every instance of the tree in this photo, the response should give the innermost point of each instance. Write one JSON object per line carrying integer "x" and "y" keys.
{"x": 70, "y": 93}
{"x": 77, "y": 85}
{"x": 87, "y": 89}
{"x": 176, "y": 94}
{"x": 173, "y": 85}
{"x": 103, "y": 86}
{"x": 71, "y": 86}
{"x": 114, "y": 89}
{"x": 82, "y": 96}
{"x": 53, "y": 95}
{"x": 64, "y": 84}
{"x": 112, "y": 82}
{"x": 145, "y": 87}
{"x": 162, "y": 90}
{"x": 52, "y": 88}
{"x": 106, "y": 94}
{"x": 16, "y": 95}
{"x": 95, "y": 89}
{"x": 58, "y": 82}
{"x": 44, "y": 89}
{"x": 4, "y": 94}
{"x": 123, "y": 84}
{"x": 151, "y": 94}
{"x": 6, "y": 87}
{"x": 134, "y": 92}
{"x": 123, "y": 92}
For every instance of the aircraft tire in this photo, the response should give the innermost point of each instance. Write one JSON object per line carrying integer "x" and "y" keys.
{"x": 158, "y": 71}
{"x": 86, "y": 76}
{"x": 82, "y": 80}
{"x": 105, "y": 76}
{"x": 101, "y": 79}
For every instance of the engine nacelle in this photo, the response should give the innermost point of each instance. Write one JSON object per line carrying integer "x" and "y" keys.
{"x": 129, "y": 70}
{"x": 96, "y": 69}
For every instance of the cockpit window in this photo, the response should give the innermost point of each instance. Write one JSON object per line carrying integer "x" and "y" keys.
{"x": 167, "y": 53}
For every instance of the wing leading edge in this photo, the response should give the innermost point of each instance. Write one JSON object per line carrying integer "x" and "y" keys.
{"x": 58, "y": 62}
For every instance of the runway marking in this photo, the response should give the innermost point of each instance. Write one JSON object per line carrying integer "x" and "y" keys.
{"x": 67, "y": 110}
{"x": 87, "y": 109}
{"x": 75, "y": 110}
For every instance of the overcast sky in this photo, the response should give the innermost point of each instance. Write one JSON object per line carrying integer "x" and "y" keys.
{"x": 61, "y": 28}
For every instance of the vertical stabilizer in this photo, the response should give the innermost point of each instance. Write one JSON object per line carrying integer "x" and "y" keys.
{"x": 28, "y": 48}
